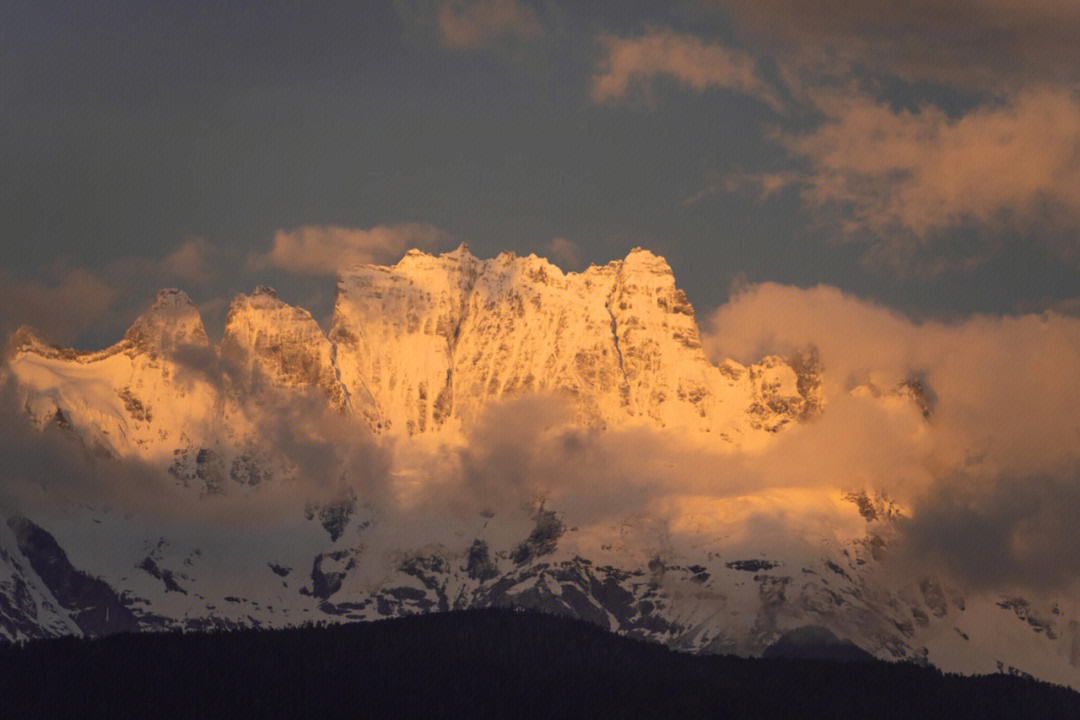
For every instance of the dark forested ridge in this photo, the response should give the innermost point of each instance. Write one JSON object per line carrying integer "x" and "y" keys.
{"x": 480, "y": 663}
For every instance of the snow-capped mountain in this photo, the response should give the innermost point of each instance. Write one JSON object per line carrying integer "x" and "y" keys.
{"x": 321, "y": 475}
{"x": 426, "y": 344}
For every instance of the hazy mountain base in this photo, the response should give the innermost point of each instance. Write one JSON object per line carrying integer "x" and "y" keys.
{"x": 488, "y": 663}
{"x": 730, "y": 603}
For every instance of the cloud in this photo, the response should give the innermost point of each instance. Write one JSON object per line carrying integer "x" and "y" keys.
{"x": 192, "y": 261}
{"x": 474, "y": 24}
{"x": 68, "y": 303}
{"x": 1016, "y": 530}
{"x": 996, "y": 469}
{"x": 980, "y": 43}
{"x": 566, "y": 253}
{"x": 633, "y": 63}
{"x": 76, "y": 298}
{"x": 762, "y": 185}
{"x": 326, "y": 250}
{"x": 901, "y": 180}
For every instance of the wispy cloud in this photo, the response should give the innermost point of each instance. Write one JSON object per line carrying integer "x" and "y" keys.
{"x": 566, "y": 253}
{"x": 62, "y": 307}
{"x": 982, "y": 43}
{"x": 900, "y": 179}
{"x": 632, "y": 63}
{"x": 470, "y": 24}
{"x": 327, "y": 249}
{"x": 193, "y": 261}
{"x": 65, "y": 301}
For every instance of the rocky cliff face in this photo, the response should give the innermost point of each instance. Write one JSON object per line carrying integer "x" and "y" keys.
{"x": 428, "y": 343}
{"x": 421, "y": 347}
{"x": 273, "y": 344}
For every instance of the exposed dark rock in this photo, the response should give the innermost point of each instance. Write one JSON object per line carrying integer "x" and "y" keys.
{"x": 1023, "y": 610}
{"x": 96, "y": 607}
{"x": 208, "y": 468}
{"x": 134, "y": 406}
{"x": 919, "y": 394}
{"x": 542, "y": 540}
{"x": 280, "y": 569}
{"x": 479, "y": 566}
{"x": 752, "y": 565}
{"x": 334, "y": 517}
{"x": 406, "y": 593}
{"x": 247, "y": 470}
{"x": 837, "y": 569}
{"x": 431, "y": 571}
{"x": 865, "y": 505}
{"x": 700, "y": 573}
{"x": 166, "y": 576}
{"x": 807, "y": 366}
{"x": 326, "y": 582}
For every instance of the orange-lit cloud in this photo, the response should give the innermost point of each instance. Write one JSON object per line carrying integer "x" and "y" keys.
{"x": 325, "y": 250}
{"x": 192, "y": 261}
{"x": 985, "y": 43}
{"x": 566, "y": 253}
{"x": 1006, "y": 387}
{"x": 900, "y": 179}
{"x": 476, "y": 23}
{"x": 77, "y": 298}
{"x": 992, "y": 479}
{"x": 632, "y": 63}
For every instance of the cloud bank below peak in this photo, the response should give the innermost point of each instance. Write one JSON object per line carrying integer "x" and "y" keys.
{"x": 992, "y": 480}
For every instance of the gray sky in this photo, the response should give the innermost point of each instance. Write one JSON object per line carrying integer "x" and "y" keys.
{"x": 926, "y": 160}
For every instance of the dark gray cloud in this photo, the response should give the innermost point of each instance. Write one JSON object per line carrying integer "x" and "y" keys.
{"x": 998, "y": 534}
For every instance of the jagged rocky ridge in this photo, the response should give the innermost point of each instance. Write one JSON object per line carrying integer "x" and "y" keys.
{"x": 416, "y": 353}
{"x": 421, "y": 347}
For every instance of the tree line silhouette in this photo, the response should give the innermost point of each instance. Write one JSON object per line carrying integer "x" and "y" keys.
{"x": 477, "y": 663}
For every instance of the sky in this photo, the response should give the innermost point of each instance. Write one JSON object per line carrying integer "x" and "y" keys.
{"x": 924, "y": 156}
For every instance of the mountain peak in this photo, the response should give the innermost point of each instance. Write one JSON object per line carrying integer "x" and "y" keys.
{"x": 273, "y": 340}
{"x": 461, "y": 251}
{"x": 172, "y": 320}
{"x": 261, "y": 298}
{"x": 648, "y": 261}
{"x": 171, "y": 298}
{"x": 264, "y": 290}
{"x": 29, "y": 339}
